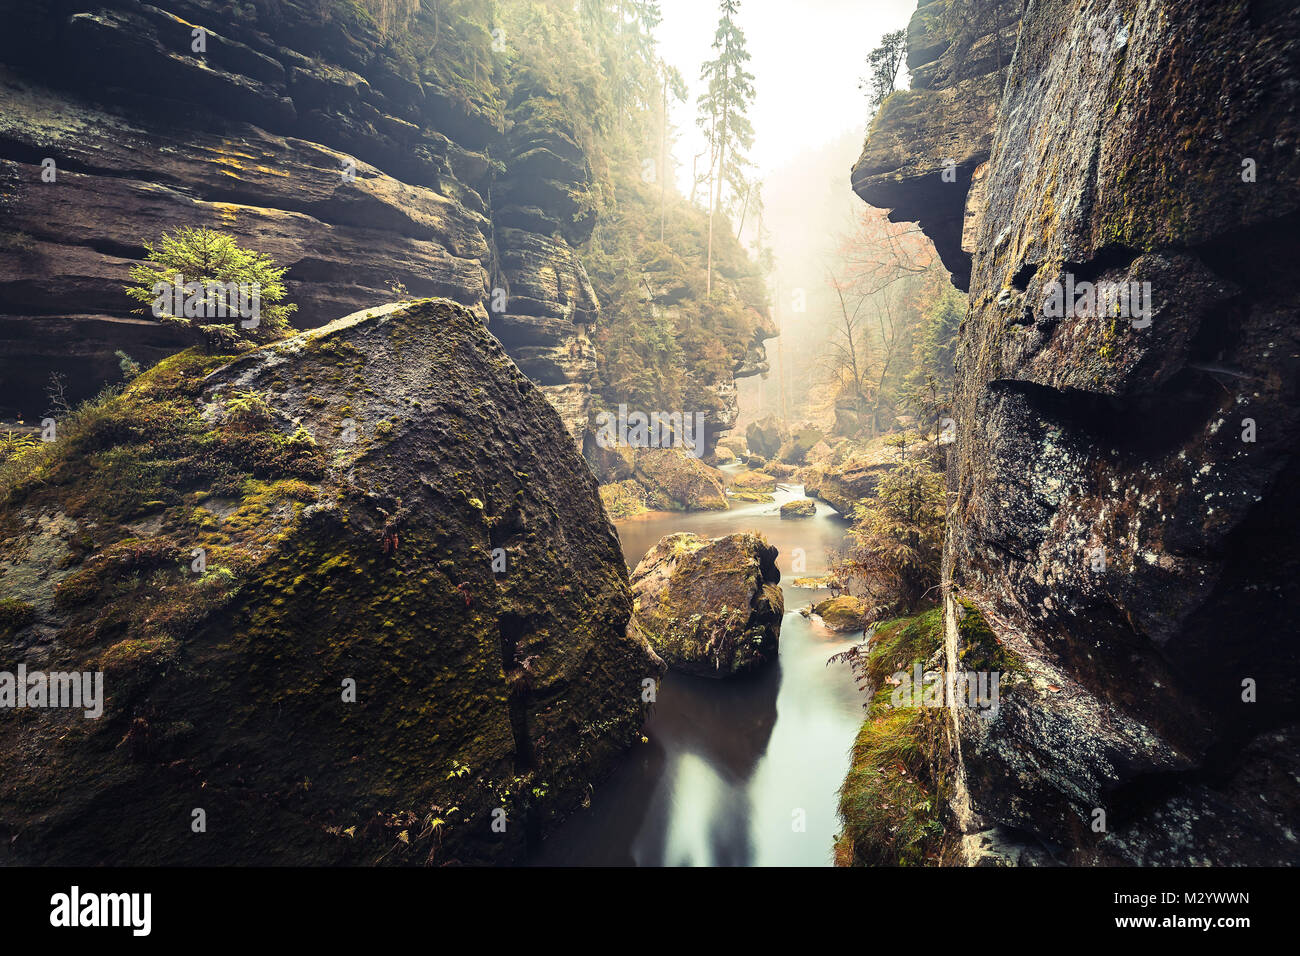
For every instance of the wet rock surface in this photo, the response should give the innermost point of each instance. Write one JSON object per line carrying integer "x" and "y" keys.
{"x": 711, "y": 608}
{"x": 1125, "y": 519}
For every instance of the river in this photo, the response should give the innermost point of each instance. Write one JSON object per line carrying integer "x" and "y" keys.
{"x": 739, "y": 772}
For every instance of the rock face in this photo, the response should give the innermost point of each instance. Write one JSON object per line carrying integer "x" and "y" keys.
{"x": 927, "y": 151}
{"x": 765, "y": 437}
{"x": 795, "y": 448}
{"x": 295, "y": 132}
{"x": 711, "y": 608}
{"x": 408, "y": 602}
{"x": 306, "y": 131}
{"x": 848, "y": 473}
{"x": 1125, "y": 519}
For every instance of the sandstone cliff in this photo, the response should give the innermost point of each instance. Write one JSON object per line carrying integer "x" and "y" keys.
{"x": 375, "y": 149}
{"x": 1123, "y": 511}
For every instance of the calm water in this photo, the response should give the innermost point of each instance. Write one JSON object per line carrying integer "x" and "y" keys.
{"x": 732, "y": 766}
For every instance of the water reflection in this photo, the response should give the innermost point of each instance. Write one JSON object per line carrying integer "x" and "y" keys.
{"x": 739, "y": 772}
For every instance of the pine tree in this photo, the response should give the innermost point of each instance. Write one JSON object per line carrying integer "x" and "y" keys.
{"x": 723, "y": 108}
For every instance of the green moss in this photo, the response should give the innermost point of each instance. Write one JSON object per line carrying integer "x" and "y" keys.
{"x": 15, "y": 615}
{"x": 842, "y": 613}
{"x": 980, "y": 648}
{"x": 891, "y": 799}
{"x": 623, "y": 499}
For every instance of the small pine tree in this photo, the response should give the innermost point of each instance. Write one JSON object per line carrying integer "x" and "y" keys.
{"x": 883, "y": 66}
{"x": 899, "y": 537}
{"x": 207, "y": 257}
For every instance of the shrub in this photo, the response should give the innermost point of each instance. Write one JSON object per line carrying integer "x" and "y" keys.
{"x": 898, "y": 537}
{"x": 212, "y": 266}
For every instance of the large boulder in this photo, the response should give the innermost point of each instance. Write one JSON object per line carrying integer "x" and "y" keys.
{"x": 850, "y": 474}
{"x": 711, "y": 608}
{"x": 795, "y": 448}
{"x": 675, "y": 481}
{"x": 765, "y": 437}
{"x": 336, "y": 586}
{"x": 736, "y": 444}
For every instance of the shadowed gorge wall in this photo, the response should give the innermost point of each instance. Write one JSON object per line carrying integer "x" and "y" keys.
{"x": 1122, "y": 492}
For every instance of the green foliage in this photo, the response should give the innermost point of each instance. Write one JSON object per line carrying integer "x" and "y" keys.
{"x": 15, "y": 615}
{"x": 205, "y": 256}
{"x": 248, "y": 409}
{"x": 883, "y": 66}
{"x": 662, "y": 340}
{"x": 129, "y": 366}
{"x": 12, "y": 442}
{"x": 891, "y": 797}
{"x": 927, "y": 389}
{"x": 898, "y": 536}
{"x": 724, "y": 104}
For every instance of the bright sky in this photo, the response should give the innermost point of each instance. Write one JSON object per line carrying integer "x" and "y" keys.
{"x": 806, "y": 57}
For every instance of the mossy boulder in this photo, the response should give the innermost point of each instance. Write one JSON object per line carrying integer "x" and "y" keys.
{"x": 799, "y": 508}
{"x": 766, "y": 436}
{"x": 795, "y": 449}
{"x": 735, "y": 444}
{"x": 843, "y": 613}
{"x": 674, "y": 481}
{"x": 892, "y": 798}
{"x": 411, "y": 609}
{"x": 711, "y": 608}
{"x": 753, "y": 481}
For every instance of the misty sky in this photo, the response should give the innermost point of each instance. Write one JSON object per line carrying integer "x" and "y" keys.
{"x": 807, "y": 56}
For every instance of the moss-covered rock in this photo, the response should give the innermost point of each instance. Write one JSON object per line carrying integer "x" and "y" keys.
{"x": 765, "y": 437}
{"x": 891, "y": 802}
{"x": 674, "y": 481}
{"x": 794, "y": 450}
{"x": 408, "y": 524}
{"x": 1117, "y": 554}
{"x": 736, "y": 445}
{"x": 750, "y": 480}
{"x": 710, "y": 607}
{"x": 799, "y": 508}
{"x": 842, "y": 613}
